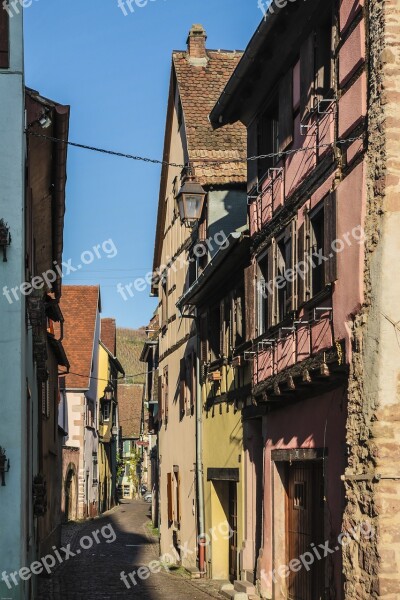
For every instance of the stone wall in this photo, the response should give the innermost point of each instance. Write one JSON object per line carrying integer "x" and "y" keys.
{"x": 372, "y": 567}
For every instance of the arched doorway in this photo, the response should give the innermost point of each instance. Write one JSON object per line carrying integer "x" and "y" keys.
{"x": 71, "y": 496}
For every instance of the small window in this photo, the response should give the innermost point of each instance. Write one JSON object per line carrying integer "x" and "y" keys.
{"x": 299, "y": 498}
{"x": 4, "y": 35}
{"x": 127, "y": 470}
{"x": 127, "y": 491}
{"x": 106, "y": 411}
{"x": 95, "y": 468}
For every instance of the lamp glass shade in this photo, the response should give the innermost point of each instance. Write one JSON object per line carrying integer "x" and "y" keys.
{"x": 190, "y": 202}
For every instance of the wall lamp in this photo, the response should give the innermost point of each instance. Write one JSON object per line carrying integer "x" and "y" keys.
{"x": 5, "y": 238}
{"x": 190, "y": 200}
{"x": 4, "y": 465}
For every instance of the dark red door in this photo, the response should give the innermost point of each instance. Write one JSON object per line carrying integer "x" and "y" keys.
{"x": 305, "y": 526}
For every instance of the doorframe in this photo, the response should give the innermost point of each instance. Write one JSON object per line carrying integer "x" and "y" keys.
{"x": 280, "y": 458}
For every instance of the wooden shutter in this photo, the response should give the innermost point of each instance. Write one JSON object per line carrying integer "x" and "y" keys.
{"x": 271, "y": 301}
{"x": 239, "y": 320}
{"x": 160, "y": 398}
{"x": 222, "y": 328}
{"x": 203, "y": 338}
{"x": 290, "y": 259}
{"x": 300, "y": 259}
{"x": 286, "y": 111}
{"x": 4, "y": 38}
{"x": 178, "y": 497}
{"x": 170, "y": 498}
{"x": 252, "y": 150}
{"x": 329, "y": 237}
{"x": 307, "y": 75}
{"x": 182, "y": 387}
{"x": 166, "y": 390}
{"x": 249, "y": 300}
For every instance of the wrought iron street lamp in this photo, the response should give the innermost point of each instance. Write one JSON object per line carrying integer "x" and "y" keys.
{"x": 190, "y": 200}
{"x": 108, "y": 392}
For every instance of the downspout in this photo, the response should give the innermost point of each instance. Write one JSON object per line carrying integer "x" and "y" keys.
{"x": 199, "y": 450}
{"x": 199, "y": 456}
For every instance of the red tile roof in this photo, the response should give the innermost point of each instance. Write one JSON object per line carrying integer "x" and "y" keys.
{"x": 130, "y": 400}
{"x": 108, "y": 335}
{"x": 199, "y": 88}
{"x": 79, "y": 305}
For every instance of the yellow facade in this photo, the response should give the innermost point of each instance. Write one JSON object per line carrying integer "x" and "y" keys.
{"x": 104, "y": 464}
{"x": 222, "y": 450}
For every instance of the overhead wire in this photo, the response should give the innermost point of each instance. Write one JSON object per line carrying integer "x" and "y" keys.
{"x": 195, "y": 163}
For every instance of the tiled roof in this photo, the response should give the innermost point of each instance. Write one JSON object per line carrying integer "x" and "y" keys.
{"x": 199, "y": 88}
{"x": 108, "y": 335}
{"x": 130, "y": 399}
{"x": 79, "y": 305}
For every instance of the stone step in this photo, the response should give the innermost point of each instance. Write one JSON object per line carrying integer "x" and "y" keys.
{"x": 245, "y": 587}
{"x": 193, "y": 572}
{"x": 234, "y": 595}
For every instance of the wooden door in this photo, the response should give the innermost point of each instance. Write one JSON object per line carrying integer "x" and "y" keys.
{"x": 305, "y": 526}
{"x": 233, "y": 523}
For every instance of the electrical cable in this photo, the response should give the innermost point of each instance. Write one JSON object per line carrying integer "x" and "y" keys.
{"x": 195, "y": 163}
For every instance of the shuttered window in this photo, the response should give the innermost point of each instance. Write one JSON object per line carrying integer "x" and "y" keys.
{"x": 263, "y": 295}
{"x": 286, "y": 122}
{"x": 4, "y": 38}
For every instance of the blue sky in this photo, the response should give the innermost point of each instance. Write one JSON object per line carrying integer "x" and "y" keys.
{"x": 114, "y": 72}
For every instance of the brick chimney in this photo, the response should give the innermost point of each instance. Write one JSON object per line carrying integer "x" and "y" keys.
{"x": 196, "y": 44}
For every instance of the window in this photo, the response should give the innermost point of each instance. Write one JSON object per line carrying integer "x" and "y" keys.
{"x": 127, "y": 491}
{"x": 316, "y": 68}
{"x": 179, "y": 111}
{"x": 299, "y": 499}
{"x": 268, "y": 138}
{"x": 127, "y": 470}
{"x": 170, "y": 505}
{"x": 4, "y": 38}
{"x": 283, "y": 264}
{"x": 126, "y": 447}
{"x": 106, "y": 410}
{"x": 95, "y": 468}
{"x": 177, "y": 498}
{"x": 316, "y": 247}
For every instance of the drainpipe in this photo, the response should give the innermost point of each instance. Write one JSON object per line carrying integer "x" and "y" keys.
{"x": 199, "y": 449}
{"x": 199, "y": 457}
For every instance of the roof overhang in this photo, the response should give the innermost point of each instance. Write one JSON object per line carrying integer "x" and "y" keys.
{"x": 219, "y": 271}
{"x": 271, "y": 51}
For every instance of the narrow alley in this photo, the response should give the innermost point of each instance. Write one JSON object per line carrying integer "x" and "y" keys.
{"x": 95, "y": 573}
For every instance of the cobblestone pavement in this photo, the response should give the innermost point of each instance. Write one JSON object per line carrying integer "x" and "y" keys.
{"x": 95, "y": 573}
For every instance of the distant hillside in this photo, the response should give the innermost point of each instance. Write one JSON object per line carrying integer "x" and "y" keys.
{"x": 129, "y": 348}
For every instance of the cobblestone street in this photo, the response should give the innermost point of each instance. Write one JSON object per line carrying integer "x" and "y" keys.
{"x": 96, "y": 573}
